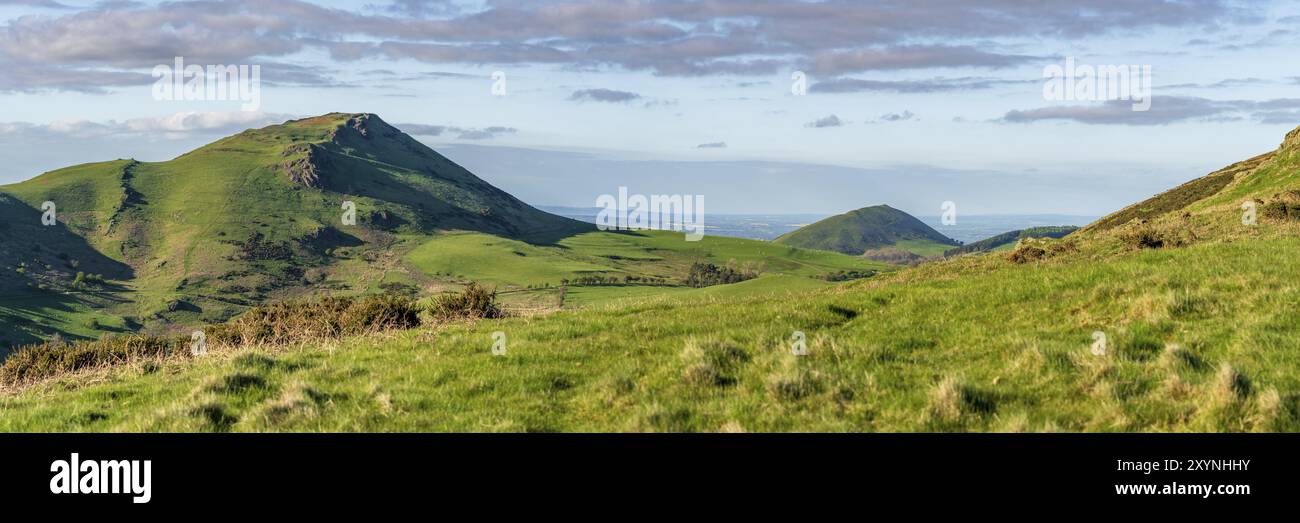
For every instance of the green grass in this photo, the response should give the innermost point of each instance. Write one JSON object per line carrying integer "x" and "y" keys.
{"x": 925, "y": 248}
{"x": 490, "y": 259}
{"x": 585, "y": 297}
{"x": 1003, "y": 347}
{"x": 666, "y": 255}
{"x": 769, "y": 286}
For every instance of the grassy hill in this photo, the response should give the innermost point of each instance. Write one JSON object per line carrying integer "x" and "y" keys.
{"x": 1196, "y": 306}
{"x": 259, "y": 217}
{"x": 870, "y": 228}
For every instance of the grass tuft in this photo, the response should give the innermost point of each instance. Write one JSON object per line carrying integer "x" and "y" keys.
{"x": 711, "y": 364}
{"x": 793, "y": 380}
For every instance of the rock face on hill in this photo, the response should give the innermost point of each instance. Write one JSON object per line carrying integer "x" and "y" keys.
{"x": 868, "y": 228}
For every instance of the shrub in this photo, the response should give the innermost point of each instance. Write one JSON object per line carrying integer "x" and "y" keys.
{"x": 472, "y": 303}
{"x": 707, "y": 274}
{"x": 1034, "y": 249}
{"x": 1275, "y": 210}
{"x": 849, "y": 275}
{"x": 327, "y": 317}
{"x": 382, "y": 312}
{"x": 42, "y": 360}
{"x": 1144, "y": 237}
{"x": 1147, "y": 236}
{"x": 1282, "y": 207}
{"x": 284, "y": 322}
{"x": 1026, "y": 252}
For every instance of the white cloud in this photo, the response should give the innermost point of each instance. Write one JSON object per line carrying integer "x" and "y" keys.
{"x": 171, "y": 126}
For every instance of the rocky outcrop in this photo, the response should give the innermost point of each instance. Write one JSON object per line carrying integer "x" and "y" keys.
{"x": 1292, "y": 140}
{"x": 305, "y": 164}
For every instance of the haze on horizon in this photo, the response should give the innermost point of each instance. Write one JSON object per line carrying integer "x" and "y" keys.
{"x": 908, "y": 103}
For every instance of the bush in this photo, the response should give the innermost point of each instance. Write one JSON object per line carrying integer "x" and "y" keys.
{"x": 707, "y": 274}
{"x": 1282, "y": 207}
{"x": 1034, "y": 249}
{"x": 1026, "y": 252}
{"x": 328, "y": 317}
{"x": 1147, "y": 236}
{"x": 1144, "y": 237}
{"x": 848, "y": 275}
{"x": 472, "y": 303}
{"x": 54, "y": 357}
{"x": 284, "y": 322}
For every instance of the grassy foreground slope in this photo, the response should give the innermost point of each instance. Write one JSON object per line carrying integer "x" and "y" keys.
{"x": 1005, "y": 348}
{"x": 1196, "y": 305}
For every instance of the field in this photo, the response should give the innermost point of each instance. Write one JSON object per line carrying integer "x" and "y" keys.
{"x": 510, "y": 263}
{"x": 969, "y": 344}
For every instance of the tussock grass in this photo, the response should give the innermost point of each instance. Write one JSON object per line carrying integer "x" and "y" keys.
{"x": 794, "y": 380}
{"x": 953, "y": 401}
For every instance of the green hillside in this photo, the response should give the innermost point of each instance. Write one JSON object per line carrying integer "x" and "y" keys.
{"x": 252, "y": 217}
{"x": 1196, "y": 306}
{"x": 260, "y": 216}
{"x": 870, "y": 228}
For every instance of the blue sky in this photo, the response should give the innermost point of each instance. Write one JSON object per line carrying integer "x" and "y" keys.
{"x": 937, "y": 100}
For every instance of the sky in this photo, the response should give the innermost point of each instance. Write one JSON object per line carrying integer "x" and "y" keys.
{"x": 909, "y": 103}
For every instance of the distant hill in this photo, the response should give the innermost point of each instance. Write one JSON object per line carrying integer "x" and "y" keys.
{"x": 870, "y": 228}
{"x": 1010, "y": 237}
